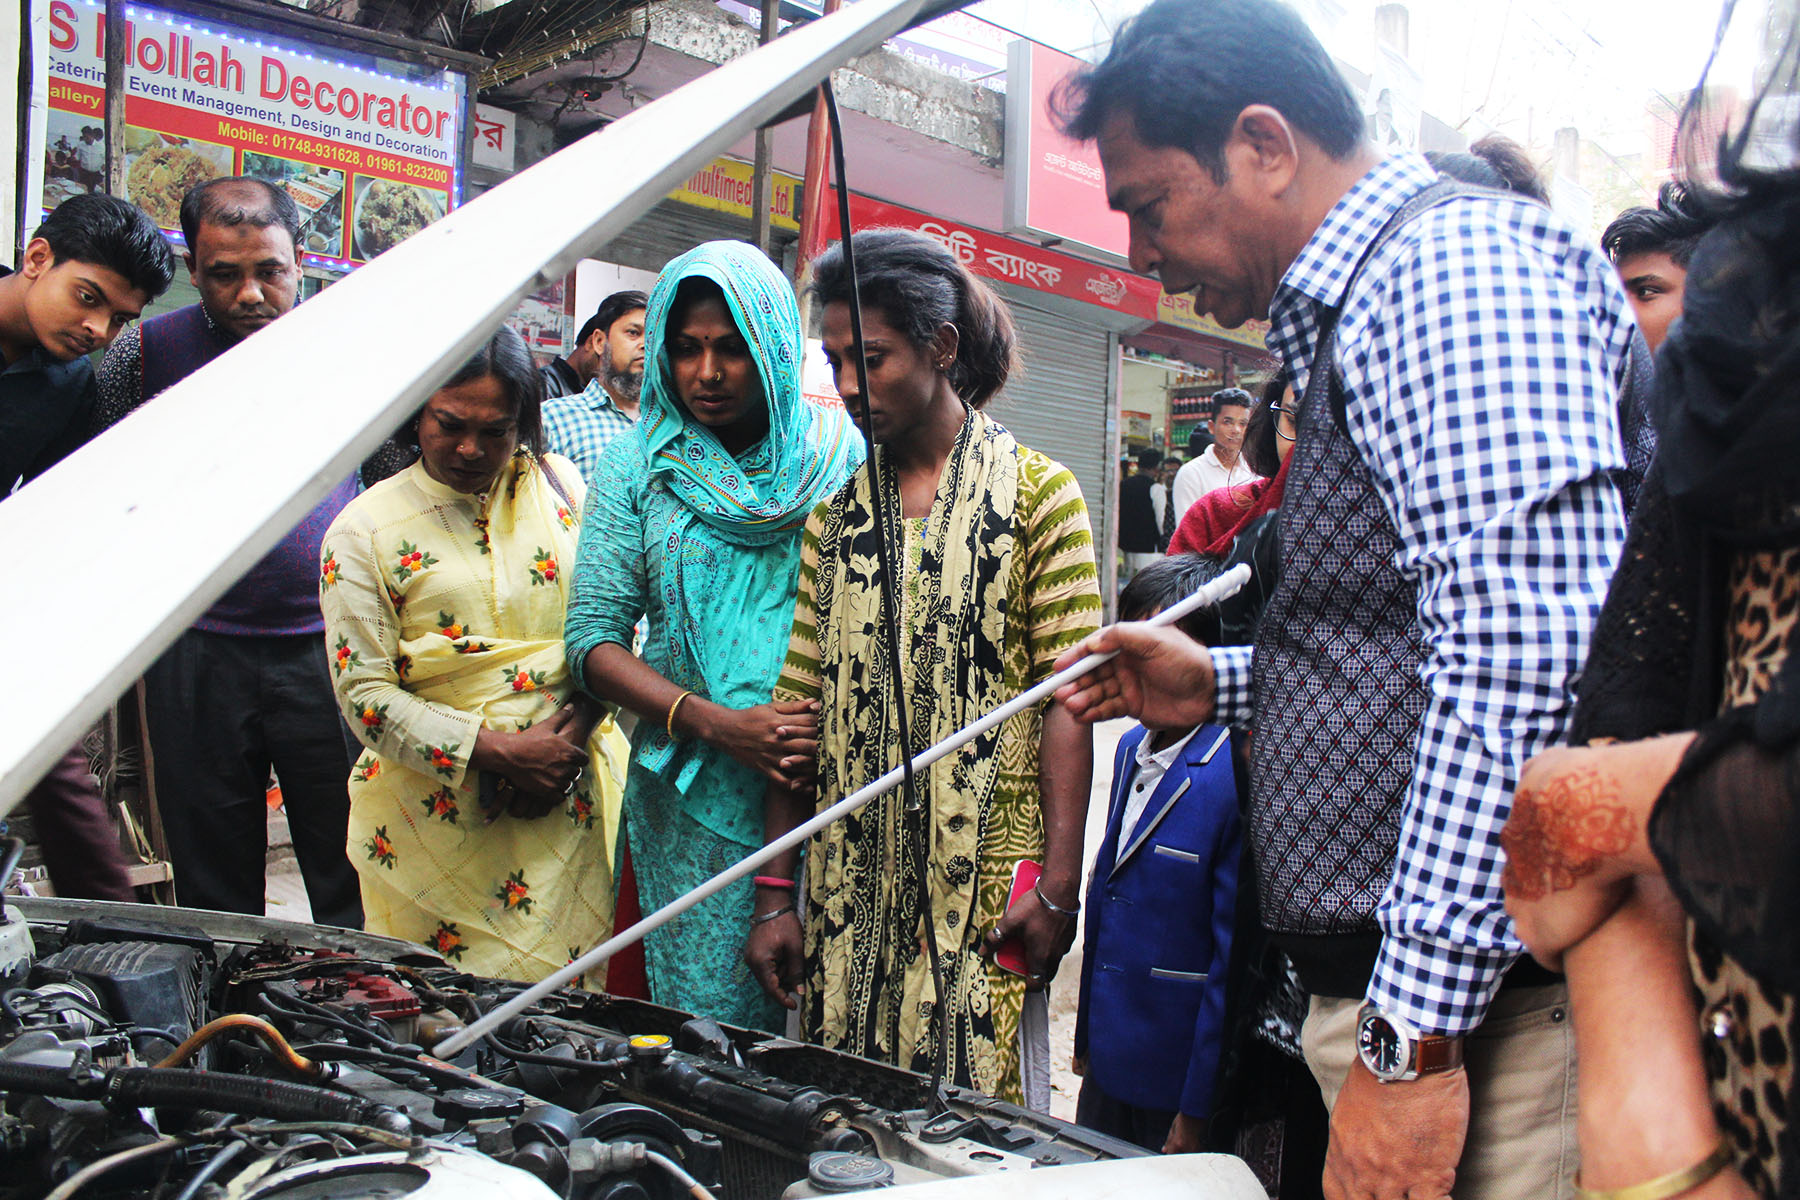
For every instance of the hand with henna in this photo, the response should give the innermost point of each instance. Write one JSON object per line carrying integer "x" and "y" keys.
{"x": 1576, "y": 837}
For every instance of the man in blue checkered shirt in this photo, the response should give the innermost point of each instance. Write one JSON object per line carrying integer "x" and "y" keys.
{"x": 1449, "y": 526}
{"x": 578, "y": 425}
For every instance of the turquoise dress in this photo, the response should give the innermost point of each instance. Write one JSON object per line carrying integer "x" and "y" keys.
{"x": 706, "y": 546}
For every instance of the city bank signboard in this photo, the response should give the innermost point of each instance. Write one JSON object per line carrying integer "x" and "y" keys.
{"x": 369, "y": 155}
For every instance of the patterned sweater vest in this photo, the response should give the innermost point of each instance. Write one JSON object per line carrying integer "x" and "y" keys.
{"x": 1338, "y": 694}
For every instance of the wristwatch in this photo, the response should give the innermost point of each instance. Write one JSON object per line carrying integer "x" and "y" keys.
{"x": 1395, "y": 1052}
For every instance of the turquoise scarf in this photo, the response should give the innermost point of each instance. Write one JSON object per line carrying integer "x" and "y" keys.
{"x": 730, "y": 563}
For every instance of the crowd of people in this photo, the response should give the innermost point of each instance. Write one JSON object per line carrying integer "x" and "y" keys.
{"x": 1485, "y": 773}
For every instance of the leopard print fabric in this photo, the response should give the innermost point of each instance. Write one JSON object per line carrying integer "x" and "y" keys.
{"x": 1748, "y": 1030}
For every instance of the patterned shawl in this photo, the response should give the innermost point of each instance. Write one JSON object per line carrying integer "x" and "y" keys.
{"x": 864, "y": 933}
{"x": 729, "y": 565}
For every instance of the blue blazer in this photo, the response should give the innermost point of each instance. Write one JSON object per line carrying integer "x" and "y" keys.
{"x": 1158, "y": 941}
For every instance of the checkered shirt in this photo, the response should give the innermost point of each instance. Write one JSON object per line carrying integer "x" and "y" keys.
{"x": 579, "y": 427}
{"x": 1480, "y": 353}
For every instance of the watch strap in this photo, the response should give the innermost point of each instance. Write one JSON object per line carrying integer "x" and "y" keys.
{"x": 1436, "y": 1054}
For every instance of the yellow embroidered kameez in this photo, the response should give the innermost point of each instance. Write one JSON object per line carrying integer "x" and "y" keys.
{"x": 444, "y": 615}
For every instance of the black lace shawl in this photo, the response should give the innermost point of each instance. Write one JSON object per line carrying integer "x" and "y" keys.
{"x": 1726, "y": 479}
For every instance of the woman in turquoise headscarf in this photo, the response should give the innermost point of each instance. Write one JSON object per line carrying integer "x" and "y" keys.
{"x": 694, "y": 521}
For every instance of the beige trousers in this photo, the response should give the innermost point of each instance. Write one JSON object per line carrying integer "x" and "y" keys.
{"x": 1521, "y": 1065}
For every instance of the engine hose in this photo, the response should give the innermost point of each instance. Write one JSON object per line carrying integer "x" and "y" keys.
{"x": 284, "y": 1053}
{"x": 150, "y": 1087}
{"x": 56, "y": 1082}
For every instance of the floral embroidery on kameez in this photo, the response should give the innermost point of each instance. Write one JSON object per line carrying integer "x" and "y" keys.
{"x": 417, "y": 589}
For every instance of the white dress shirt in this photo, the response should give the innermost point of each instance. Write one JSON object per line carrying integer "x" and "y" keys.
{"x": 1147, "y": 776}
{"x": 1201, "y": 475}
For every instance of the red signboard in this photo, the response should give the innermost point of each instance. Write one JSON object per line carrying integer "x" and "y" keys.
{"x": 999, "y": 257}
{"x": 1054, "y": 186}
{"x": 368, "y": 157}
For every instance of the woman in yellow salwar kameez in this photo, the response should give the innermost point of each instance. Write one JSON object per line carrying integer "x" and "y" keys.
{"x": 483, "y": 810}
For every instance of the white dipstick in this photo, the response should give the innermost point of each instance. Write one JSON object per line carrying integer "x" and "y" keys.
{"x": 1209, "y": 594}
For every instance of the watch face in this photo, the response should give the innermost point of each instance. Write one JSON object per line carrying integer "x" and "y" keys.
{"x": 1381, "y": 1047}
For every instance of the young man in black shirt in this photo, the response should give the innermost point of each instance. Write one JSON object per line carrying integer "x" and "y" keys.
{"x": 91, "y": 267}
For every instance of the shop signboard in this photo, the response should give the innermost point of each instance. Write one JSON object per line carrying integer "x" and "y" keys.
{"x": 724, "y": 185}
{"x": 1179, "y": 311}
{"x": 997, "y": 256}
{"x": 1054, "y": 185}
{"x": 495, "y": 143}
{"x": 370, "y": 156}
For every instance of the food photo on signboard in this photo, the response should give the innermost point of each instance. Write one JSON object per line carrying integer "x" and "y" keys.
{"x": 161, "y": 167}
{"x": 388, "y": 212}
{"x": 319, "y": 192}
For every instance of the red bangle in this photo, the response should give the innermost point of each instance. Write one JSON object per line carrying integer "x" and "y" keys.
{"x": 772, "y": 881}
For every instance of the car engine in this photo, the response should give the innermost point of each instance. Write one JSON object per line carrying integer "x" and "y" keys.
{"x": 188, "y": 1055}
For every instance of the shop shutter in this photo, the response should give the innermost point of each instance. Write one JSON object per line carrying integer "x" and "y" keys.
{"x": 671, "y": 229}
{"x": 1059, "y": 406}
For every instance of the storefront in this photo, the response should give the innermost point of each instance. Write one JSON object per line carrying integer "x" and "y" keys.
{"x": 367, "y": 133}
{"x": 1172, "y": 368}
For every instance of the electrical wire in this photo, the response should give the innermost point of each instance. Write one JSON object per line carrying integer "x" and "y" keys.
{"x": 205, "y": 1174}
{"x": 424, "y": 1068}
{"x": 608, "y": 1065}
{"x": 694, "y": 1186}
{"x": 104, "y": 1166}
{"x": 914, "y": 815}
{"x": 314, "y": 1014}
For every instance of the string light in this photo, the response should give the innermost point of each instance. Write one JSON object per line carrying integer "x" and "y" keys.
{"x": 436, "y": 79}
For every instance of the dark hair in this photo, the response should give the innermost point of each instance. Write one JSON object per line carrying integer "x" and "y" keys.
{"x": 1674, "y": 227}
{"x": 690, "y": 291}
{"x": 111, "y": 233}
{"x": 1262, "y": 449}
{"x": 507, "y": 360}
{"x": 1185, "y": 69}
{"x": 1149, "y": 459}
{"x": 223, "y": 202}
{"x": 1168, "y": 581}
{"x": 610, "y": 310}
{"x": 1753, "y": 164}
{"x": 1496, "y": 161}
{"x": 1198, "y": 440}
{"x": 919, "y": 287}
{"x": 1231, "y": 397}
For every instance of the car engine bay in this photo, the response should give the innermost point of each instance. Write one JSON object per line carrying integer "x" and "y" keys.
{"x": 180, "y": 1055}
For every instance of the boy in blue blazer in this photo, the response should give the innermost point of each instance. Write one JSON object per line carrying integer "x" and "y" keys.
{"x": 1159, "y": 912}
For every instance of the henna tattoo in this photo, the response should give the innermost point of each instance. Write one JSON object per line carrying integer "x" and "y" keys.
{"x": 1559, "y": 834}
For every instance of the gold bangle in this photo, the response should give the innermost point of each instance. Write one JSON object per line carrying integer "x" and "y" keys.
{"x": 1665, "y": 1186}
{"x": 672, "y": 708}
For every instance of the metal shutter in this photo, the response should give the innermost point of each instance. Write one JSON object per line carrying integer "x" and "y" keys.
{"x": 1061, "y": 404}
{"x": 672, "y": 228}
